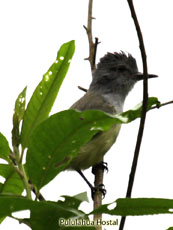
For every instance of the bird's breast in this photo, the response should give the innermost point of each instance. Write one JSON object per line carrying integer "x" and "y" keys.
{"x": 93, "y": 152}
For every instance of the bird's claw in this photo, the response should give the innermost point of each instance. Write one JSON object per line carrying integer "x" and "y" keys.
{"x": 102, "y": 165}
{"x": 100, "y": 188}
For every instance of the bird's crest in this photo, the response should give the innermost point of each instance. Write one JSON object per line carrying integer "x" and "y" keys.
{"x": 115, "y": 59}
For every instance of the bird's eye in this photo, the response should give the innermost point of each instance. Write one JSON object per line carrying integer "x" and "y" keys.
{"x": 113, "y": 68}
{"x": 121, "y": 68}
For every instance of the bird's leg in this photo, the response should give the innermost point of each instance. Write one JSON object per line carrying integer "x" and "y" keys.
{"x": 85, "y": 179}
{"x": 93, "y": 188}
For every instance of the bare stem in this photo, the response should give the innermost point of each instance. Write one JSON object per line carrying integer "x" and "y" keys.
{"x": 144, "y": 107}
{"x": 163, "y": 104}
{"x": 92, "y": 45}
{"x": 99, "y": 173}
{"x": 92, "y": 57}
{"x": 21, "y": 171}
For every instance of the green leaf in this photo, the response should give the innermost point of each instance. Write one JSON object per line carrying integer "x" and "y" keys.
{"x": 171, "y": 228}
{"x": 19, "y": 110}
{"x": 74, "y": 201}
{"x": 54, "y": 143}
{"x": 4, "y": 148}
{"x": 13, "y": 183}
{"x": 46, "y": 92}
{"x": 58, "y": 139}
{"x": 2, "y": 219}
{"x": 134, "y": 113}
{"x": 81, "y": 197}
{"x": 44, "y": 215}
{"x": 137, "y": 206}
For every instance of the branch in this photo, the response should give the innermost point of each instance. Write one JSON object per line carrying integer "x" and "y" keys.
{"x": 83, "y": 89}
{"x": 144, "y": 107}
{"x": 163, "y": 104}
{"x": 92, "y": 45}
{"x": 97, "y": 199}
{"x": 98, "y": 171}
{"x": 95, "y": 52}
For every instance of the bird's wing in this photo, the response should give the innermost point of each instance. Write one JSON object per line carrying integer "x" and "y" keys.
{"x": 93, "y": 151}
{"x": 93, "y": 101}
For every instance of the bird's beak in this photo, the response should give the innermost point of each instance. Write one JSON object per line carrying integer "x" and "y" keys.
{"x": 140, "y": 76}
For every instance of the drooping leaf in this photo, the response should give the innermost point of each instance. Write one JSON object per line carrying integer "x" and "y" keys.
{"x": 138, "y": 206}
{"x": 19, "y": 110}
{"x": 44, "y": 215}
{"x": 46, "y": 92}
{"x": 13, "y": 183}
{"x": 58, "y": 139}
{"x": 4, "y": 148}
{"x": 134, "y": 113}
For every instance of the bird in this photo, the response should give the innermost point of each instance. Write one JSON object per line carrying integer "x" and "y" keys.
{"x": 114, "y": 77}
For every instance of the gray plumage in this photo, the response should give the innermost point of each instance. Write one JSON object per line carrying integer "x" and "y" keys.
{"x": 114, "y": 77}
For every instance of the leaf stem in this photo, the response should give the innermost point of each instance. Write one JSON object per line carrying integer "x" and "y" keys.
{"x": 22, "y": 173}
{"x": 25, "y": 181}
{"x": 22, "y": 153}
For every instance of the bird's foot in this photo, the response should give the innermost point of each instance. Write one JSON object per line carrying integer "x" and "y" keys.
{"x": 102, "y": 165}
{"x": 98, "y": 188}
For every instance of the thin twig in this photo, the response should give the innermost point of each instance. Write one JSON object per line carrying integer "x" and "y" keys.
{"x": 89, "y": 33}
{"x": 144, "y": 107}
{"x": 163, "y": 104}
{"x": 92, "y": 45}
{"x": 81, "y": 88}
{"x": 95, "y": 52}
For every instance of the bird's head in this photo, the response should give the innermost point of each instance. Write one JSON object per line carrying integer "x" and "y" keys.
{"x": 116, "y": 73}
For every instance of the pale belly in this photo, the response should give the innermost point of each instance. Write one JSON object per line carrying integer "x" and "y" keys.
{"x": 93, "y": 152}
